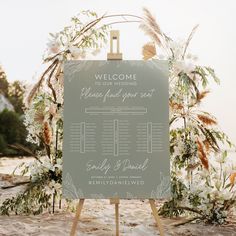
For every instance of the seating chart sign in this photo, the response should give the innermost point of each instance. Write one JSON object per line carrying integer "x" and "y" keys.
{"x": 116, "y": 129}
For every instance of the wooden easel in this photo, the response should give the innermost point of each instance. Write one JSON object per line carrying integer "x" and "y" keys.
{"x": 115, "y": 36}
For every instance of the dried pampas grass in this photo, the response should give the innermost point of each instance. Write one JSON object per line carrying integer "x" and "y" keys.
{"x": 47, "y": 133}
{"x": 232, "y": 179}
{"x": 151, "y": 28}
{"x": 207, "y": 145}
{"x": 189, "y": 39}
{"x": 207, "y": 120}
{"x": 202, "y": 95}
{"x": 202, "y": 155}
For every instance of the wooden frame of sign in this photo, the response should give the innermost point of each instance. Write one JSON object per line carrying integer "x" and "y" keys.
{"x": 115, "y": 36}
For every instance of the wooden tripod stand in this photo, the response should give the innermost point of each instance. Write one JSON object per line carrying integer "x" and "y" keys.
{"x": 114, "y": 36}
{"x": 116, "y": 201}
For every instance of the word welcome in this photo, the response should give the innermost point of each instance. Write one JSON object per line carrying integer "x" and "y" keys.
{"x": 115, "y": 77}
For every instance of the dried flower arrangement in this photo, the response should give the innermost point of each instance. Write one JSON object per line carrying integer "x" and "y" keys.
{"x": 195, "y": 140}
{"x": 203, "y": 178}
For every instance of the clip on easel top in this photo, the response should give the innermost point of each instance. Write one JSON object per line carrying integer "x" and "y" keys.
{"x": 114, "y": 38}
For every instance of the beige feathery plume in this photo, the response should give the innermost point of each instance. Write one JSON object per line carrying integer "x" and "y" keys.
{"x": 149, "y": 51}
{"x": 151, "y": 28}
{"x": 189, "y": 39}
{"x": 47, "y": 133}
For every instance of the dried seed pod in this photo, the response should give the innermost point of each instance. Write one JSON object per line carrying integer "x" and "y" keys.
{"x": 47, "y": 133}
{"x": 39, "y": 116}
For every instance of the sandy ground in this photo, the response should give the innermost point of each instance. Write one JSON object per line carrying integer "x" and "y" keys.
{"x": 98, "y": 218}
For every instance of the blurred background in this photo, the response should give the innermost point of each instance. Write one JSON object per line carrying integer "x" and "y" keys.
{"x": 25, "y": 27}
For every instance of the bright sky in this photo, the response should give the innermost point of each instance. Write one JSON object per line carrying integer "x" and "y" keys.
{"x": 25, "y": 24}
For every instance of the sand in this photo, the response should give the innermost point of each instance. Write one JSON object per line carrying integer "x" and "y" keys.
{"x": 98, "y": 218}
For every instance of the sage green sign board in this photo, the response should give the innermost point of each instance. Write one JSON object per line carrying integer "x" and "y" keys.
{"x": 116, "y": 129}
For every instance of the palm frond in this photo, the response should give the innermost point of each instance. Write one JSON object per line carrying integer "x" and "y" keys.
{"x": 149, "y": 51}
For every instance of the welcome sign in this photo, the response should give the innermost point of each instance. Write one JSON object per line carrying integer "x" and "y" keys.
{"x": 116, "y": 129}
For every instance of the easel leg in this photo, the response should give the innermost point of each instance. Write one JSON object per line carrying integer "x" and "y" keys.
{"x": 77, "y": 215}
{"x": 156, "y": 216}
{"x": 117, "y": 218}
{"x": 116, "y": 201}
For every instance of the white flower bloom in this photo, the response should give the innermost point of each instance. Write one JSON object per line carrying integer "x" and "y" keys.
{"x": 183, "y": 66}
{"x": 191, "y": 57}
{"x": 58, "y": 166}
{"x": 54, "y": 44}
{"x": 59, "y": 161}
{"x": 60, "y": 57}
{"x": 226, "y": 195}
{"x": 47, "y": 165}
{"x": 75, "y": 52}
{"x": 203, "y": 174}
{"x": 177, "y": 151}
{"x": 177, "y": 48}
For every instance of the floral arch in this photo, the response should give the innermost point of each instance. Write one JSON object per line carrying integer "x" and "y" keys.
{"x": 195, "y": 140}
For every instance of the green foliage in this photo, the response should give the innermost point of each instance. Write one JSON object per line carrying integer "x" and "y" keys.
{"x": 32, "y": 201}
{"x": 16, "y": 92}
{"x": 3, "y": 83}
{"x": 36, "y": 198}
{"x": 170, "y": 208}
{"x": 12, "y": 128}
{"x": 3, "y": 144}
{"x": 12, "y": 131}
